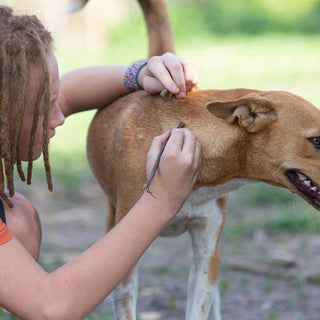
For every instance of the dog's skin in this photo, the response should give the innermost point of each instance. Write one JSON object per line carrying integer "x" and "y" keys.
{"x": 246, "y": 136}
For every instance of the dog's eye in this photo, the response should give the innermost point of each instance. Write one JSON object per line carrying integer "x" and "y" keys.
{"x": 315, "y": 141}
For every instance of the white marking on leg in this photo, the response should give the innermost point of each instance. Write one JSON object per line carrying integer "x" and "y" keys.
{"x": 215, "y": 311}
{"x": 204, "y": 231}
{"x": 124, "y": 298}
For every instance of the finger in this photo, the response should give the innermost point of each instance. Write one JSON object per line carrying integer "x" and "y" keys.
{"x": 175, "y": 142}
{"x": 195, "y": 79}
{"x": 157, "y": 142}
{"x": 158, "y": 70}
{"x": 176, "y": 71}
{"x": 197, "y": 161}
{"x": 189, "y": 142}
{"x": 197, "y": 155}
{"x": 190, "y": 73}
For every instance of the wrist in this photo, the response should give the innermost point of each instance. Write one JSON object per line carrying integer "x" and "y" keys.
{"x": 162, "y": 202}
{"x": 141, "y": 75}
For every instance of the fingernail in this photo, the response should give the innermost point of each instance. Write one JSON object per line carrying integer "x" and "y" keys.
{"x": 181, "y": 95}
{"x": 174, "y": 89}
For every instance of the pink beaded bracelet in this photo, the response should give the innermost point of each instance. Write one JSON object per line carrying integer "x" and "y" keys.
{"x": 131, "y": 76}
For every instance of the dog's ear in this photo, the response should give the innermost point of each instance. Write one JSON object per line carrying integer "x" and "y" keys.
{"x": 251, "y": 112}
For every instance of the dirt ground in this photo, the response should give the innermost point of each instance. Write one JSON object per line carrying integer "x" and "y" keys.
{"x": 262, "y": 277}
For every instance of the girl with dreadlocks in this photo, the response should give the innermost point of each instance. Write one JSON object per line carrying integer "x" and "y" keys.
{"x": 33, "y": 102}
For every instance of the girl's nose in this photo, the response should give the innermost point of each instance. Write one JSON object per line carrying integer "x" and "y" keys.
{"x": 56, "y": 116}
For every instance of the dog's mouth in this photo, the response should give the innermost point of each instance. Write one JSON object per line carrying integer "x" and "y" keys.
{"x": 305, "y": 185}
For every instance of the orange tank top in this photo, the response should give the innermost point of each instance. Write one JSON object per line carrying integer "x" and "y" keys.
{"x": 5, "y": 235}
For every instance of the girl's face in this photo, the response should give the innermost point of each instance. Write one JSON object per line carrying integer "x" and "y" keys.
{"x": 56, "y": 118}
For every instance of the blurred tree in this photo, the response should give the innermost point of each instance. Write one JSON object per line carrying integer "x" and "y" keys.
{"x": 249, "y": 16}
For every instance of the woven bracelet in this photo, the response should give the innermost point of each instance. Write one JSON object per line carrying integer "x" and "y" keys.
{"x": 131, "y": 76}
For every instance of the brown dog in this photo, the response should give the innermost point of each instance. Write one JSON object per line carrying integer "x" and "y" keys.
{"x": 246, "y": 136}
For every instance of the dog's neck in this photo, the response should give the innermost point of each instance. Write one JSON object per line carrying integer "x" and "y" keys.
{"x": 224, "y": 156}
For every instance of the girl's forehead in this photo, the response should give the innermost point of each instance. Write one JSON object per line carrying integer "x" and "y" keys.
{"x": 53, "y": 74}
{"x": 35, "y": 82}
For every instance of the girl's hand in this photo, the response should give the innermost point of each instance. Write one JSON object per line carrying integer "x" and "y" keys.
{"x": 178, "y": 168}
{"x": 168, "y": 72}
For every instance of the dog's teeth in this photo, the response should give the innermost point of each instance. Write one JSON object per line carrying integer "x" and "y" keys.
{"x": 307, "y": 183}
{"x": 302, "y": 177}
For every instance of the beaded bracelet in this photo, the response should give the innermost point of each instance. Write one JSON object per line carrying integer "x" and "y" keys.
{"x": 131, "y": 76}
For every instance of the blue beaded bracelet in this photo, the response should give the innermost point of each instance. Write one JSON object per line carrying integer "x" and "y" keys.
{"x": 131, "y": 76}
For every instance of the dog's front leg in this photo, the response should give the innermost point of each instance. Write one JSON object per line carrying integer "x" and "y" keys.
{"x": 203, "y": 292}
{"x": 124, "y": 297}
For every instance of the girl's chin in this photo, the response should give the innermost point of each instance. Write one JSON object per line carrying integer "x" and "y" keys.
{"x": 36, "y": 156}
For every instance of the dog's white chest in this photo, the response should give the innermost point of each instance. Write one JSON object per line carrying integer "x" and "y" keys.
{"x": 201, "y": 206}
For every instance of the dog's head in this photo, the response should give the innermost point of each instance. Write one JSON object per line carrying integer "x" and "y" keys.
{"x": 282, "y": 139}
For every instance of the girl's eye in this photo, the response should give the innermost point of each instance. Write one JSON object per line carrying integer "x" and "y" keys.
{"x": 315, "y": 141}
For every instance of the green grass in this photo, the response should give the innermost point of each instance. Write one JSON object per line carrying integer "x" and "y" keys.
{"x": 276, "y": 211}
{"x": 100, "y": 316}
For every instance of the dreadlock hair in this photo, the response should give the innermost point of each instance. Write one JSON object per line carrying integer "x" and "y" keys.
{"x": 24, "y": 44}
